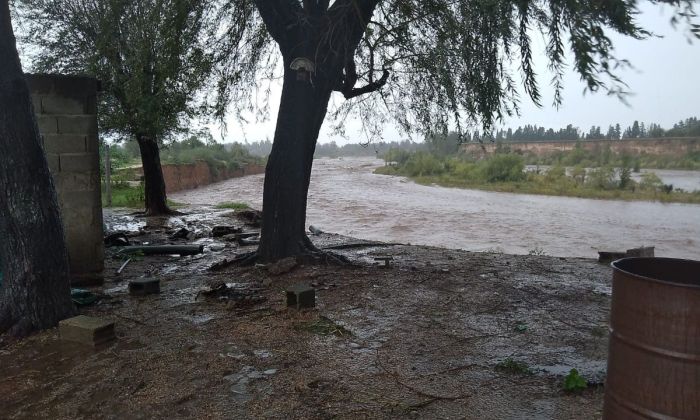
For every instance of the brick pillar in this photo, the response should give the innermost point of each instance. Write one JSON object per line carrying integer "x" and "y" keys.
{"x": 66, "y": 111}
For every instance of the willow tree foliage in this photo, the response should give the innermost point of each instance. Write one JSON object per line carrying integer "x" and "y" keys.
{"x": 429, "y": 66}
{"x": 152, "y": 59}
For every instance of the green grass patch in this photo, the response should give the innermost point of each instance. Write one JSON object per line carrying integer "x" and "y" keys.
{"x": 124, "y": 195}
{"x": 514, "y": 367}
{"x": 232, "y": 205}
{"x": 574, "y": 382}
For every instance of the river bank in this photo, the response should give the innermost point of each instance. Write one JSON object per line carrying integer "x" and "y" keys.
{"x": 508, "y": 173}
{"x": 438, "y": 334}
{"x": 556, "y": 190}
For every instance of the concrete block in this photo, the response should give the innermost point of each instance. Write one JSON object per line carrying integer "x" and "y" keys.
{"x": 91, "y": 104}
{"x": 57, "y": 105}
{"x": 92, "y": 143}
{"x": 301, "y": 296}
{"x": 47, "y": 124}
{"x": 40, "y": 83}
{"x": 77, "y": 181}
{"x": 145, "y": 286}
{"x": 77, "y": 124}
{"x": 62, "y": 85}
{"x": 645, "y": 251}
{"x": 385, "y": 260}
{"x": 65, "y": 143}
{"x": 76, "y": 201}
{"x": 79, "y": 162}
{"x": 87, "y": 330}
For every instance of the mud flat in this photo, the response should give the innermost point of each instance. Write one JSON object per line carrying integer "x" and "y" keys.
{"x": 431, "y": 336}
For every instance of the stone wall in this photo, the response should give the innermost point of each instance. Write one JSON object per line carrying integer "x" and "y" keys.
{"x": 189, "y": 176}
{"x": 66, "y": 111}
{"x": 662, "y": 146}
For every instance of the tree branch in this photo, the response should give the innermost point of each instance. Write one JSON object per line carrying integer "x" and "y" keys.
{"x": 279, "y": 17}
{"x": 316, "y": 7}
{"x": 351, "y": 92}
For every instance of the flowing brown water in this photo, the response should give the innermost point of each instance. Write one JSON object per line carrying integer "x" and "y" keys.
{"x": 345, "y": 197}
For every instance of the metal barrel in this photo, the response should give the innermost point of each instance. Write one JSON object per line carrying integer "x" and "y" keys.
{"x": 654, "y": 350}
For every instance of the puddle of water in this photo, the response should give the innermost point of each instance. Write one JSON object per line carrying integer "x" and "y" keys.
{"x": 242, "y": 380}
{"x": 593, "y": 371}
{"x": 200, "y": 319}
{"x": 263, "y": 354}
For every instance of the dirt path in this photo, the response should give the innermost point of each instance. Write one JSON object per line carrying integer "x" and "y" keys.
{"x": 425, "y": 338}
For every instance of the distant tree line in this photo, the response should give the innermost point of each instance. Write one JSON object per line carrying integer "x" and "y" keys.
{"x": 689, "y": 127}
{"x": 332, "y": 149}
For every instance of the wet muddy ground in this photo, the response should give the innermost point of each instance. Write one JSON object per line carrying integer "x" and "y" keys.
{"x": 435, "y": 335}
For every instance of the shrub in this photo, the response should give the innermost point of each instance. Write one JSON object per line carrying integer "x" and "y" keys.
{"x": 423, "y": 164}
{"x": 555, "y": 173}
{"x": 504, "y": 168}
{"x": 650, "y": 181}
{"x": 602, "y": 178}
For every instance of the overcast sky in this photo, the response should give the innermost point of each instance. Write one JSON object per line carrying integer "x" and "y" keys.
{"x": 665, "y": 83}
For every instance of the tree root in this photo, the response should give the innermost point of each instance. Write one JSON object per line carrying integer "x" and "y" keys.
{"x": 6, "y": 321}
{"x": 21, "y": 328}
{"x": 310, "y": 256}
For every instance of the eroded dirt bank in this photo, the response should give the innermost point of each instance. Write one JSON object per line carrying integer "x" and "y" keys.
{"x": 424, "y": 338}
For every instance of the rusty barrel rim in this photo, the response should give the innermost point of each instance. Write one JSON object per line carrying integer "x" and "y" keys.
{"x": 619, "y": 265}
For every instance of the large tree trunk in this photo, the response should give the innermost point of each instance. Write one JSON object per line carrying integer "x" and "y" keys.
{"x": 154, "y": 195}
{"x": 35, "y": 293}
{"x": 302, "y": 110}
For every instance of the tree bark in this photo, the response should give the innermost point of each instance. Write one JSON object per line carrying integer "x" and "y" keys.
{"x": 303, "y": 108}
{"x": 154, "y": 183}
{"x": 35, "y": 293}
{"x": 329, "y": 36}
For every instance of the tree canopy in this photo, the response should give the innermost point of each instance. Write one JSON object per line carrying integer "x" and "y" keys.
{"x": 445, "y": 65}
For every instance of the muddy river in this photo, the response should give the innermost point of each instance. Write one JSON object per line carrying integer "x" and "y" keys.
{"x": 347, "y": 198}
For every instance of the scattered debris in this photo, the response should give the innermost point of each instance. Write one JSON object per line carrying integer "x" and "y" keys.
{"x": 316, "y": 231}
{"x": 145, "y": 286}
{"x": 247, "y": 242}
{"x": 182, "y": 233}
{"x": 282, "y": 266}
{"x": 123, "y": 266}
{"x": 324, "y": 326}
{"x": 241, "y": 295}
{"x": 163, "y": 249}
{"x": 82, "y": 297}
{"x": 250, "y": 217}
{"x": 116, "y": 239}
{"x": 301, "y": 296}
{"x": 87, "y": 330}
{"x": 218, "y": 231}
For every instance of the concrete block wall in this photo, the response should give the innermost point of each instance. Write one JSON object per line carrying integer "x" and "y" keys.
{"x": 66, "y": 111}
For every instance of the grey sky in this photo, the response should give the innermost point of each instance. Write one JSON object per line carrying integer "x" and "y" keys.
{"x": 665, "y": 83}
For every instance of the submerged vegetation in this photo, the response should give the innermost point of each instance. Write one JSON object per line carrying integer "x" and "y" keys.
{"x": 506, "y": 172}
